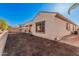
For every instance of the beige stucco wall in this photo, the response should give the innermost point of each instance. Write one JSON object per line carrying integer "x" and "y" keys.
{"x": 26, "y": 29}
{"x": 54, "y": 27}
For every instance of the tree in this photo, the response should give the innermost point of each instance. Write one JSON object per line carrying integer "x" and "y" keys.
{"x": 75, "y": 5}
{"x": 3, "y": 25}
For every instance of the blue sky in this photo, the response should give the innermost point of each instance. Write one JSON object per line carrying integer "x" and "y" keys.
{"x": 19, "y": 13}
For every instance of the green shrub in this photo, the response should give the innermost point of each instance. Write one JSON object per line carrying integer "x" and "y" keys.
{"x": 3, "y": 25}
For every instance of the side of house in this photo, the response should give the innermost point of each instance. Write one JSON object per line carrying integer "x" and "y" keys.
{"x": 50, "y": 25}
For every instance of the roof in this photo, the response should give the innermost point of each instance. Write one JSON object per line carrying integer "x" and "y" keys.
{"x": 57, "y": 15}
{"x": 64, "y": 18}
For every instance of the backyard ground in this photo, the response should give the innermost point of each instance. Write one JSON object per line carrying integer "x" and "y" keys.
{"x": 22, "y": 44}
{"x": 71, "y": 40}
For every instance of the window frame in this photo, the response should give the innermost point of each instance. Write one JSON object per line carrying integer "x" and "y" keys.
{"x": 68, "y": 26}
{"x": 41, "y": 24}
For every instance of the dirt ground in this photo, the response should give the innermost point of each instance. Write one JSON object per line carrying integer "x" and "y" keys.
{"x": 22, "y": 44}
{"x": 71, "y": 39}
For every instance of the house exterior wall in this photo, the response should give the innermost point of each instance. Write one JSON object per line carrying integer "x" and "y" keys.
{"x": 55, "y": 28}
{"x": 27, "y": 27}
{"x": 23, "y": 29}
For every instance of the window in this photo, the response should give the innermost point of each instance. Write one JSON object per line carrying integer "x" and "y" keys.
{"x": 40, "y": 26}
{"x": 74, "y": 27}
{"x": 68, "y": 26}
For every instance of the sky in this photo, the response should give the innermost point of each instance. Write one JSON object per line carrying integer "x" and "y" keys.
{"x": 19, "y": 13}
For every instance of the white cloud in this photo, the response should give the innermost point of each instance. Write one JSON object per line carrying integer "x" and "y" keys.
{"x": 57, "y": 7}
{"x": 62, "y": 8}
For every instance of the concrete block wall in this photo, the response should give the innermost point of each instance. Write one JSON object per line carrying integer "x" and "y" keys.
{"x": 3, "y": 38}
